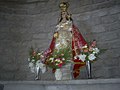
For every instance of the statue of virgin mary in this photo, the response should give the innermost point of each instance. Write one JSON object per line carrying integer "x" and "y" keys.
{"x": 68, "y": 38}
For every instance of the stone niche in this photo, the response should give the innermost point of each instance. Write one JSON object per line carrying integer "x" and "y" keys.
{"x": 26, "y": 23}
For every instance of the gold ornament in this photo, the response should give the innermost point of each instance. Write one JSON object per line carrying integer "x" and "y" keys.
{"x": 56, "y": 35}
{"x": 64, "y": 6}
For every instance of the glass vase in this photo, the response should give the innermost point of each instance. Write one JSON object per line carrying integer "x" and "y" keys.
{"x": 88, "y": 68}
{"x": 37, "y": 73}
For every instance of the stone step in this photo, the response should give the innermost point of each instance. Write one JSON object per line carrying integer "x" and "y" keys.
{"x": 88, "y": 84}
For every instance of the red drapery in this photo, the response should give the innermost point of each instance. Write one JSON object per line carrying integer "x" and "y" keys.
{"x": 77, "y": 42}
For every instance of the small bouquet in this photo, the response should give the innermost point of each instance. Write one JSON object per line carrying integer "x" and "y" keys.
{"x": 88, "y": 53}
{"x": 58, "y": 58}
{"x": 35, "y": 60}
{"x": 34, "y": 56}
{"x": 56, "y": 62}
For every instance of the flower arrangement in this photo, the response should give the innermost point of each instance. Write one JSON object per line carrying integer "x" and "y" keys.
{"x": 35, "y": 60}
{"x": 59, "y": 58}
{"x": 88, "y": 53}
{"x": 34, "y": 56}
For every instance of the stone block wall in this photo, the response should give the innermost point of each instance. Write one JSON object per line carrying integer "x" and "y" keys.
{"x": 26, "y": 23}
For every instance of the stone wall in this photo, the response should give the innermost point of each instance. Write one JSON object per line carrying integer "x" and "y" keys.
{"x": 26, "y": 23}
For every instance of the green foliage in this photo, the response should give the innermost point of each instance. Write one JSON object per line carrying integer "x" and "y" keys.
{"x": 62, "y": 53}
{"x": 60, "y": 57}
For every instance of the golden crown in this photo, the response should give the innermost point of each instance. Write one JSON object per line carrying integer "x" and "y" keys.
{"x": 64, "y": 6}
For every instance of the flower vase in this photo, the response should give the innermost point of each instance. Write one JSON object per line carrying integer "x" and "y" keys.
{"x": 37, "y": 73}
{"x": 88, "y": 67}
{"x": 67, "y": 71}
{"x": 58, "y": 74}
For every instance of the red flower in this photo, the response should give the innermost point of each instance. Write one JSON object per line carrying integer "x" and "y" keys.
{"x": 60, "y": 65}
{"x": 94, "y": 43}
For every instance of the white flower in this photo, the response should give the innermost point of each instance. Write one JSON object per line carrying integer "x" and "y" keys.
{"x": 82, "y": 57}
{"x": 57, "y": 60}
{"x": 31, "y": 64}
{"x": 75, "y": 57}
{"x": 29, "y": 59}
{"x": 32, "y": 68}
{"x": 91, "y": 57}
{"x": 84, "y": 46}
{"x": 96, "y": 50}
{"x": 51, "y": 59}
{"x": 60, "y": 61}
{"x": 63, "y": 59}
{"x": 39, "y": 53}
{"x": 33, "y": 60}
{"x": 56, "y": 63}
{"x": 41, "y": 66}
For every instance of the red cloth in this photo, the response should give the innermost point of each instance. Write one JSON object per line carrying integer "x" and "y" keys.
{"x": 77, "y": 42}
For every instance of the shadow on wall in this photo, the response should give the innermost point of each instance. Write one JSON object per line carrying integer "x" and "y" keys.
{"x": 1, "y": 86}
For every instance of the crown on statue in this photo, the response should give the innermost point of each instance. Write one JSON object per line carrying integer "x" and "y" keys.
{"x": 64, "y": 6}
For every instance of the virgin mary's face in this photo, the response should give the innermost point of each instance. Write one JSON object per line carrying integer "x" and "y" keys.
{"x": 64, "y": 14}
